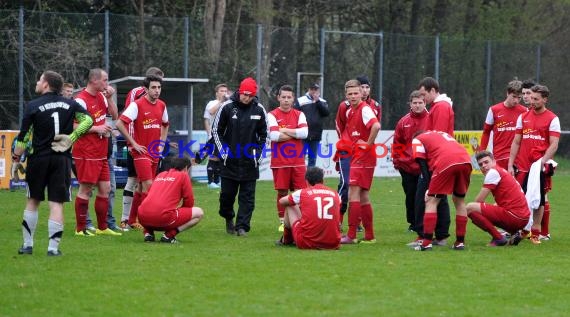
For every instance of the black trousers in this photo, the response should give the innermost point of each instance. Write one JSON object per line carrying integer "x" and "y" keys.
{"x": 410, "y": 186}
{"x": 443, "y": 218}
{"x": 246, "y": 201}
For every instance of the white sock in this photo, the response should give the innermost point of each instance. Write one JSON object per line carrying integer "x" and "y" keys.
{"x": 55, "y": 231}
{"x": 29, "y": 227}
{"x": 129, "y": 189}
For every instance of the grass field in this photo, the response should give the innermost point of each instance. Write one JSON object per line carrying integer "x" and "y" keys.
{"x": 211, "y": 273}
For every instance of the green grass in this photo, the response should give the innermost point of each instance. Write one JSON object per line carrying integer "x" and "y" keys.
{"x": 213, "y": 274}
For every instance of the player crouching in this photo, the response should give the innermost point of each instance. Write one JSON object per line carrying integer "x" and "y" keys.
{"x": 160, "y": 211}
{"x": 312, "y": 215}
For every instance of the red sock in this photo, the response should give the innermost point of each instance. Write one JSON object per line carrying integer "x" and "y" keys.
{"x": 367, "y": 221}
{"x": 101, "y": 208}
{"x": 81, "y": 207}
{"x": 354, "y": 212}
{"x": 460, "y": 227}
{"x": 480, "y": 221}
{"x": 544, "y": 229}
{"x": 137, "y": 199}
{"x": 430, "y": 218}
{"x": 280, "y": 208}
{"x": 170, "y": 234}
{"x": 535, "y": 232}
{"x": 287, "y": 236}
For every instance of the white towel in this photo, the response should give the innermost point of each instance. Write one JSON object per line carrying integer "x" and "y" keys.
{"x": 533, "y": 188}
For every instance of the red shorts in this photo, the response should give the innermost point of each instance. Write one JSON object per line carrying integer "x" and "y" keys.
{"x": 504, "y": 163}
{"x": 164, "y": 220}
{"x": 361, "y": 177}
{"x": 303, "y": 243}
{"x": 503, "y": 218}
{"x": 520, "y": 177}
{"x": 146, "y": 168}
{"x": 453, "y": 180}
{"x": 92, "y": 171}
{"x": 289, "y": 177}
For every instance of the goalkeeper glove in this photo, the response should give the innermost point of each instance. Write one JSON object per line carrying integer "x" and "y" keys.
{"x": 61, "y": 143}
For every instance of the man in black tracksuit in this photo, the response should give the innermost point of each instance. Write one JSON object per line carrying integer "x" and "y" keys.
{"x": 240, "y": 134}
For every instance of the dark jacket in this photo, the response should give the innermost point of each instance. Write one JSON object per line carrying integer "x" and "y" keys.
{"x": 314, "y": 112}
{"x": 240, "y": 134}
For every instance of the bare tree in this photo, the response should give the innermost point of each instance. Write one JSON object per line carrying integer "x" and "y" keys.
{"x": 214, "y": 14}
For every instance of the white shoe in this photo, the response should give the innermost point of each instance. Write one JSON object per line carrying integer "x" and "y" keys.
{"x": 544, "y": 238}
{"x": 213, "y": 186}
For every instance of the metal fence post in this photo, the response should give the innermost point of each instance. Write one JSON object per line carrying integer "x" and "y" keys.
{"x": 538, "y": 58}
{"x": 488, "y": 75}
{"x": 21, "y": 66}
{"x": 381, "y": 67}
{"x": 106, "y": 40}
{"x": 186, "y": 35}
{"x": 259, "y": 52}
{"x": 322, "y": 61}
{"x": 437, "y": 57}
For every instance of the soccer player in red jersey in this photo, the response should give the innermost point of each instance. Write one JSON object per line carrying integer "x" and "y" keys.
{"x": 90, "y": 153}
{"x": 537, "y": 135}
{"x": 450, "y": 166}
{"x": 132, "y": 95}
{"x": 510, "y": 211}
{"x": 502, "y": 119}
{"x": 150, "y": 122}
{"x": 362, "y": 127}
{"x": 343, "y": 158}
{"x": 441, "y": 115}
{"x": 312, "y": 215}
{"x": 402, "y": 156}
{"x": 441, "y": 118}
{"x": 162, "y": 209}
{"x": 287, "y": 129}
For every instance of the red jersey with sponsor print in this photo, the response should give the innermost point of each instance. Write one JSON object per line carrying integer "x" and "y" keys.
{"x": 147, "y": 119}
{"x": 440, "y": 150}
{"x": 342, "y": 111}
{"x": 441, "y": 115}
{"x": 507, "y": 191}
{"x": 166, "y": 191}
{"x": 536, "y": 130}
{"x": 320, "y": 209}
{"x": 287, "y": 153}
{"x": 358, "y": 124}
{"x": 91, "y": 145}
{"x": 502, "y": 120}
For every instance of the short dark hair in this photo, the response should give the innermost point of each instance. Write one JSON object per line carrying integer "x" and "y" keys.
{"x": 484, "y": 154}
{"x": 314, "y": 175}
{"x": 178, "y": 163}
{"x": 542, "y": 90}
{"x": 428, "y": 83}
{"x": 54, "y": 80}
{"x": 285, "y": 88}
{"x": 154, "y": 71}
{"x": 527, "y": 84}
{"x": 148, "y": 79}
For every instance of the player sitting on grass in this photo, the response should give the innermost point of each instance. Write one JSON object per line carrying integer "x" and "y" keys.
{"x": 160, "y": 210}
{"x": 312, "y": 215}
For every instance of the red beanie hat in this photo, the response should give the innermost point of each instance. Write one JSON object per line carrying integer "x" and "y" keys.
{"x": 248, "y": 86}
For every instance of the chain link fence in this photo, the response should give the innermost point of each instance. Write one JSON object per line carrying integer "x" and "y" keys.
{"x": 473, "y": 73}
